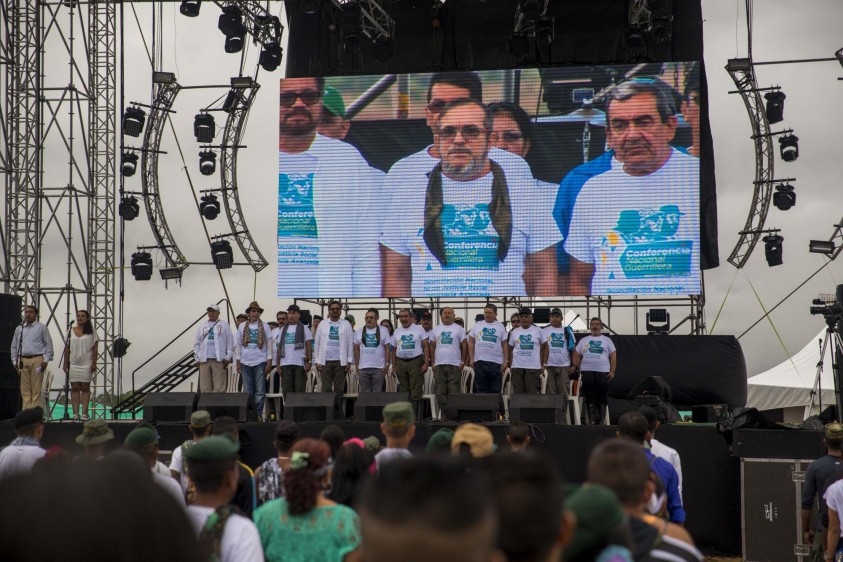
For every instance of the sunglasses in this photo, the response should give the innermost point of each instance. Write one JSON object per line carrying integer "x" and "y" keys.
{"x": 511, "y": 136}
{"x": 308, "y": 97}
{"x": 468, "y": 132}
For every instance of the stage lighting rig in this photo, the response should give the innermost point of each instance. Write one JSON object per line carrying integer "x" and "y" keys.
{"x": 773, "y": 247}
{"x": 204, "y": 127}
{"x": 775, "y": 106}
{"x": 658, "y": 321}
{"x": 222, "y": 254}
{"x": 789, "y": 147}
{"x": 368, "y": 18}
{"x": 190, "y": 8}
{"x": 270, "y": 57}
{"x": 531, "y": 10}
{"x": 310, "y": 6}
{"x": 826, "y": 247}
{"x": 544, "y": 30}
{"x": 128, "y": 208}
{"x": 231, "y": 25}
{"x": 785, "y": 197}
{"x": 134, "y": 119}
{"x": 384, "y": 49}
{"x": 350, "y": 20}
{"x": 210, "y": 206}
{"x": 661, "y": 23}
{"x": 142, "y": 266}
{"x": 207, "y": 162}
{"x": 128, "y": 164}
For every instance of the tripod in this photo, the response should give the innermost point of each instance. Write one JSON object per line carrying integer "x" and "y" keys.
{"x": 831, "y": 332}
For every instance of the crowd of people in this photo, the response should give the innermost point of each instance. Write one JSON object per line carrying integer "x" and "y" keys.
{"x": 459, "y": 496}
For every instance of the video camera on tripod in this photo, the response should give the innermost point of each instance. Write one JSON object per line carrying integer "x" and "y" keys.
{"x": 830, "y": 306}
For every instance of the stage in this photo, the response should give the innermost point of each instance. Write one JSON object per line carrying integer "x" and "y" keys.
{"x": 711, "y": 475}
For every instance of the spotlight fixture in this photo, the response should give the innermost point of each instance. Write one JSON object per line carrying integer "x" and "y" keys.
{"x": 133, "y": 121}
{"x": 309, "y": 6}
{"x": 350, "y": 18}
{"x": 142, "y": 266}
{"x": 170, "y": 273}
{"x": 159, "y": 77}
{"x": 544, "y": 30}
{"x": 204, "y": 127}
{"x": 826, "y": 247}
{"x": 231, "y": 24}
{"x": 384, "y": 49}
{"x": 128, "y": 208}
{"x": 210, "y": 206}
{"x": 519, "y": 45}
{"x": 789, "y": 147}
{"x": 773, "y": 249}
{"x": 636, "y": 47}
{"x": 531, "y": 9}
{"x": 775, "y": 106}
{"x": 234, "y": 42}
{"x": 658, "y": 321}
{"x": 662, "y": 23}
{"x": 128, "y": 164}
{"x": 222, "y": 254}
{"x": 230, "y": 101}
{"x": 785, "y": 197}
{"x": 207, "y": 162}
{"x": 190, "y": 8}
{"x": 270, "y": 57}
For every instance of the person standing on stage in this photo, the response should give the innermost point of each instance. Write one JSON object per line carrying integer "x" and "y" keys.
{"x": 254, "y": 342}
{"x": 213, "y": 349}
{"x": 32, "y": 350}
{"x": 371, "y": 353}
{"x": 448, "y": 350}
{"x": 488, "y": 353}
{"x": 334, "y": 350}
{"x": 80, "y": 363}
{"x": 426, "y": 322}
{"x": 557, "y": 356}
{"x": 411, "y": 357}
{"x": 294, "y": 352}
{"x": 525, "y": 346}
{"x": 597, "y": 360}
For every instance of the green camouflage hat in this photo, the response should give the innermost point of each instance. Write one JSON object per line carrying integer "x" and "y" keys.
{"x": 141, "y": 437}
{"x": 440, "y": 441}
{"x": 398, "y": 414}
{"x": 200, "y": 419}
{"x": 213, "y": 449}
{"x": 372, "y": 443}
{"x": 834, "y": 431}
{"x": 94, "y": 432}
{"x": 597, "y": 511}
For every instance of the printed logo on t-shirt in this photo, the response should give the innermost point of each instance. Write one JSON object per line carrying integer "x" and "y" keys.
{"x": 644, "y": 243}
{"x": 253, "y": 336}
{"x": 211, "y": 334}
{"x": 370, "y": 340}
{"x": 489, "y": 334}
{"x": 408, "y": 342}
{"x": 471, "y": 241}
{"x": 525, "y": 342}
{"x": 557, "y": 339}
{"x": 445, "y": 338}
{"x": 290, "y": 337}
{"x": 334, "y": 333}
{"x": 595, "y": 347}
{"x": 295, "y": 206}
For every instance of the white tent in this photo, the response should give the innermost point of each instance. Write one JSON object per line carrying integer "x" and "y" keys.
{"x": 790, "y": 383}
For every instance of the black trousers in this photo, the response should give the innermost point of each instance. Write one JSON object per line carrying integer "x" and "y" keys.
{"x": 595, "y": 387}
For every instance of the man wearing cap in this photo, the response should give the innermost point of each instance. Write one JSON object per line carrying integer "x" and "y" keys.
{"x": 200, "y": 427}
{"x": 597, "y": 359}
{"x": 817, "y": 480}
{"x": 525, "y": 347}
{"x": 334, "y": 351}
{"x": 371, "y": 353}
{"x": 19, "y": 456}
{"x": 448, "y": 349}
{"x": 556, "y": 358}
{"x": 224, "y": 534}
{"x": 95, "y": 435}
{"x": 143, "y": 440}
{"x": 426, "y": 322}
{"x": 322, "y": 248}
{"x": 472, "y": 439}
{"x": 411, "y": 357}
{"x": 399, "y": 428}
{"x": 488, "y": 351}
{"x": 254, "y": 342}
{"x": 32, "y": 350}
{"x": 334, "y": 125}
{"x": 294, "y": 352}
{"x": 213, "y": 349}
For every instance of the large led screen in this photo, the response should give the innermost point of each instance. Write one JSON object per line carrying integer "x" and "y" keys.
{"x": 554, "y": 182}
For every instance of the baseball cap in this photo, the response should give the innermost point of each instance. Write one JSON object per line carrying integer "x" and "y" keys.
{"x": 398, "y": 414}
{"x": 556, "y": 312}
{"x": 200, "y": 419}
{"x": 525, "y": 310}
{"x": 214, "y": 307}
{"x": 293, "y": 308}
{"x": 332, "y": 101}
{"x": 477, "y": 437}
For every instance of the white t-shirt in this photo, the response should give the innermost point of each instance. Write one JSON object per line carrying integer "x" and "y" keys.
{"x": 240, "y": 539}
{"x": 834, "y": 496}
{"x": 386, "y": 456}
{"x": 408, "y": 341}
{"x": 448, "y": 340}
{"x": 526, "y": 347}
{"x": 372, "y": 355}
{"x": 487, "y": 341}
{"x": 319, "y": 241}
{"x": 170, "y": 485}
{"x": 669, "y": 454}
{"x": 293, "y": 356}
{"x": 176, "y": 466}
{"x": 470, "y": 240}
{"x": 557, "y": 346}
{"x": 595, "y": 353}
{"x": 251, "y": 354}
{"x": 332, "y": 350}
{"x": 641, "y": 232}
{"x": 19, "y": 459}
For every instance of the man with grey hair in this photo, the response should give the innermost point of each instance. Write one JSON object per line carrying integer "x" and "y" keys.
{"x": 621, "y": 240}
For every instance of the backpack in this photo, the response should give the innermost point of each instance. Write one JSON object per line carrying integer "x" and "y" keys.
{"x": 210, "y": 537}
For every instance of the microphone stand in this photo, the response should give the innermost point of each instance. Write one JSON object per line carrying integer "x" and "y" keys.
{"x": 66, "y": 353}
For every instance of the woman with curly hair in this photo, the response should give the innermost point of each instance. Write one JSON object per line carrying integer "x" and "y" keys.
{"x": 305, "y": 525}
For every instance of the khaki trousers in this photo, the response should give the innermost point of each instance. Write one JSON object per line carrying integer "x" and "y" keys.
{"x": 213, "y": 376}
{"x": 31, "y": 382}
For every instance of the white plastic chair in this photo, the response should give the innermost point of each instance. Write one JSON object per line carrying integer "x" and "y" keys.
{"x": 391, "y": 380}
{"x": 428, "y": 393}
{"x": 273, "y": 394}
{"x": 313, "y": 383}
{"x": 467, "y": 382}
{"x": 352, "y": 385}
{"x": 46, "y": 386}
{"x": 543, "y": 377}
{"x": 506, "y": 390}
{"x": 575, "y": 403}
{"x": 233, "y": 380}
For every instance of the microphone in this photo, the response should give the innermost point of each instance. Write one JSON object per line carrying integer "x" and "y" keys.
{"x": 71, "y": 323}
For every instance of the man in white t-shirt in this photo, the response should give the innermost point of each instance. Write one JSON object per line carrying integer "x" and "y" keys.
{"x": 597, "y": 360}
{"x": 635, "y": 227}
{"x": 371, "y": 353}
{"x": 411, "y": 357}
{"x": 213, "y": 349}
{"x": 334, "y": 351}
{"x": 557, "y": 358}
{"x": 488, "y": 352}
{"x": 399, "y": 428}
{"x": 200, "y": 428}
{"x": 525, "y": 344}
{"x": 143, "y": 440}
{"x": 214, "y": 473}
{"x": 448, "y": 348}
{"x": 471, "y": 225}
{"x": 322, "y": 248}
{"x": 294, "y": 352}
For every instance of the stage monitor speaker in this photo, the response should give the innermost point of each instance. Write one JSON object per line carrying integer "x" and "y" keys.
{"x": 305, "y": 317}
{"x": 710, "y": 413}
{"x": 169, "y": 406}
{"x": 11, "y": 314}
{"x": 237, "y": 405}
{"x": 541, "y": 315}
{"x": 474, "y": 407}
{"x": 309, "y": 406}
{"x": 369, "y": 405}
{"x": 537, "y": 408}
{"x": 652, "y": 386}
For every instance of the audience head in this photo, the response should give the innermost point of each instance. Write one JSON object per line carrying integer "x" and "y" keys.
{"x": 833, "y": 435}
{"x": 425, "y": 509}
{"x": 398, "y": 425}
{"x": 651, "y": 417}
{"x": 286, "y": 434}
{"x": 387, "y": 323}
{"x": 95, "y": 436}
{"x": 621, "y": 466}
{"x": 334, "y": 436}
{"x": 227, "y": 426}
{"x": 30, "y": 423}
{"x": 633, "y": 425}
{"x": 600, "y": 525}
{"x": 518, "y": 436}
{"x": 212, "y": 466}
{"x": 440, "y": 442}
{"x": 472, "y": 440}
{"x": 351, "y": 469}
{"x": 513, "y": 130}
{"x": 143, "y": 440}
{"x": 200, "y": 424}
{"x": 308, "y": 475}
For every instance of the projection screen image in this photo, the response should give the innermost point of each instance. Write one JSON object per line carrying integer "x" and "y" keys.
{"x": 556, "y": 182}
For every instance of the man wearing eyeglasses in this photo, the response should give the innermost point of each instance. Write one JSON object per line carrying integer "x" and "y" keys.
{"x": 635, "y": 227}
{"x": 471, "y": 226}
{"x": 334, "y": 351}
{"x": 322, "y": 248}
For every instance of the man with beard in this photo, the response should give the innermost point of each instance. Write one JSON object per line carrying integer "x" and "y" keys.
{"x": 424, "y": 255}
{"x": 322, "y": 247}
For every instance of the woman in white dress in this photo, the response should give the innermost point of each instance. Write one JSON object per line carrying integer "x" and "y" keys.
{"x": 80, "y": 362}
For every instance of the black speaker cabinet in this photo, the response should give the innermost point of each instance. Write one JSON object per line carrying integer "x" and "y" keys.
{"x": 541, "y": 315}
{"x": 11, "y": 314}
{"x": 710, "y": 413}
{"x": 474, "y": 407}
{"x": 309, "y": 406}
{"x": 369, "y": 406}
{"x": 537, "y": 408}
{"x": 238, "y": 405}
{"x": 169, "y": 406}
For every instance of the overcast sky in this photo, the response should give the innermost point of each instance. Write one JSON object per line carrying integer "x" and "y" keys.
{"x": 193, "y": 49}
